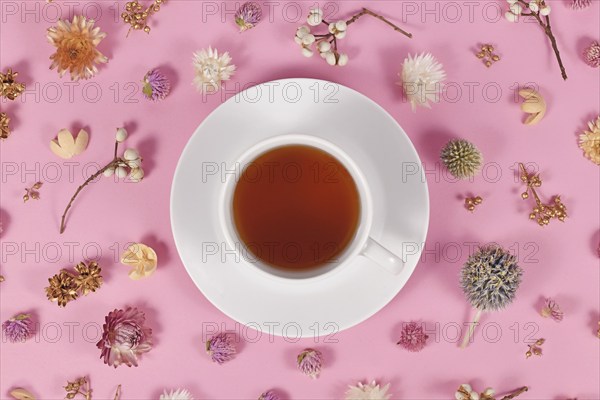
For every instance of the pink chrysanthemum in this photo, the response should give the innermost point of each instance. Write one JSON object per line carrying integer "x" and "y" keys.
{"x": 552, "y": 310}
{"x": 221, "y": 348}
{"x": 412, "y": 337}
{"x": 124, "y": 337}
{"x": 591, "y": 54}
{"x": 18, "y": 328}
{"x": 310, "y": 362}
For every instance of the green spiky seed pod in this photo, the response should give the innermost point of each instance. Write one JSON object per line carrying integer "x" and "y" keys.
{"x": 490, "y": 278}
{"x": 462, "y": 158}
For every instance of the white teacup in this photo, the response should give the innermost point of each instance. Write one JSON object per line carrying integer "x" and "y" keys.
{"x": 361, "y": 245}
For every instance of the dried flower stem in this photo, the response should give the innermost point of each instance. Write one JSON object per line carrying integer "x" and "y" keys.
{"x": 115, "y": 161}
{"x": 118, "y": 393}
{"x": 515, "y": 393}
{"x": 471, "y": 330}
{"x": 548, "y": 31}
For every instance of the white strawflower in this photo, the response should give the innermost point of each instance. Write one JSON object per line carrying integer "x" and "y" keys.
{"x": 315, "y": 17}
{"x": 211, "y": 69}
{"x": 370, "y": 391}
{"x": 422, "y": 78}
{"x": 179, "y": 394}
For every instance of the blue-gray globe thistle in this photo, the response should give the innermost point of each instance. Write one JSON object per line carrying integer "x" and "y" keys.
{"x": 490, "y": 278}
{"x": 462, "y": 158}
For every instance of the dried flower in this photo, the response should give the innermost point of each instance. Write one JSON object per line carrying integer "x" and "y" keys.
{"x": 421, "y": 80}
{"x": 4, "y": 125}
{"x": 248, "y": 15}
{"x": 540, "y": 10}
{"x": 598, "y": 331}
{"x": 179, "y": 394}
{"x": 269, "y": 395}
{"x": 589, "y": 141}
{"x": 9, "y": 87}
{"x": 552, "y": 310}
{"x": 21, "y": 394}
{"x": 79, "y": 386}
{"x": 18, "y": 328}
{"x": 136, "y": 16}
{"x": 534, "y": 105}
{"x": 156, "y": 85}
{"x": 591, "y": 54}
{"x": 211, "y": 69}
{"x": 63, "y": 288}
{"x": 580, "y": 4}
{"x": 32, "y": 192}
{"x": 124, "y": 337}
{"x": 490, "y": 279}
{"x": 310, "y": 362}
{"x": 327, "y": 43}
{"x": 89, "y": 278}
{"x": 66, "y": 146}
{"x": 142, "y": 258}
{"x": 486, "y": 54}
{"x": 220, "y": 348}
{"x": 370, "y": 391}
{"x": 465, "y": 392}
{"x": 76, "y": 50}
{"x": 462, "y": 158}
{"x": 128, "y": 164}
{"x": 1, "y": 278}
{"x": 542, "y": 213}
{"x": 413, "y": 337}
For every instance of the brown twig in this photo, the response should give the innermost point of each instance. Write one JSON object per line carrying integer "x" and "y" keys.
{"x": 548, "y": 31}
{"x": 515, "y": 393}
{"x": 366, "y": 11}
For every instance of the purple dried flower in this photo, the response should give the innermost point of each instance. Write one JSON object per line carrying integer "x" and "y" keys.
{"x": 412, "y": 337}
{"x": 18, "y": 328}
{"x": 248, "y": 15}
{"x": 124, "y": 337}
{"x": 592, "y": 54}
{"x": 220, "y": 348}
{"x": 310, "y": 362}
{"x": 156, "y": 85}
{"x": 552, "y": 310}
{"x": 268, "y": 395}
{"x": 580, "y": 4}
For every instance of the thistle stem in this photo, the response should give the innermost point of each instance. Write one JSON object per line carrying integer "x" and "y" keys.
{"x": 515, "y": 393}
{"x": 471, "y": 330}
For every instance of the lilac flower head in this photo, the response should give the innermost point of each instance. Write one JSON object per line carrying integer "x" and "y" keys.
{"x": 18, "y": 328}
{"x": 580, "y": 4}
{"x": 124, "y": 337}
{"x": 220, "y": 348}
{"x": 552, "y": 310}
{"x": 248, "y": 15}
{"x": 412, "y": 337}
{"x": 310, "y": 362}
{"x": 269, "y": 395}
{"x": 156, "y": 85}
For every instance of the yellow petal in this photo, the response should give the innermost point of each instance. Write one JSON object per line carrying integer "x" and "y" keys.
{"x": 21, "y": 394}
{"x": 533, "y": 119}
{"x": 66, "y": 141}
{"x": 59, "y": 151}
{"x": 531, "y": 106}
{"x": 81, "y": 142}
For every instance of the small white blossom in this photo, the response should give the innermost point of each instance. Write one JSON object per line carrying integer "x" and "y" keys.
{"x": 534, "y": 6}
{"x": 131, "y": 154}
{"x": 338, "y": 29}
{"x": 136, "y": 174}
{"x": 342, "y": 59}
{"x": 324, "y": 46}
{"x": 330, "y": 58}
{"x": 307, "y": 52}
{"x": 511, "y": 17}
{"x": 121, "y": 135}
{"x": 545, "y": 10}
{"x": 121, "y": 172}
{"x": 315, "y": 17}
{"x": 109, "y": 172}
{"x": 516, "y": 9}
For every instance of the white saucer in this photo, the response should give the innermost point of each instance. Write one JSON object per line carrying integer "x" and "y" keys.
{"x": 367, "y": 134}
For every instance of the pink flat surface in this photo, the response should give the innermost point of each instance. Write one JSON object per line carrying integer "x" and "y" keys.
{"x": 559, "y": 260}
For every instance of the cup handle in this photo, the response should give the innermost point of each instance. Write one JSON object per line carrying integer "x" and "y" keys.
{"x": 382, "y": 256}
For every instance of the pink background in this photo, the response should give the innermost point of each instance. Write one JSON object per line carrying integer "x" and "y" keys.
{"x": 559, "y": 260}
